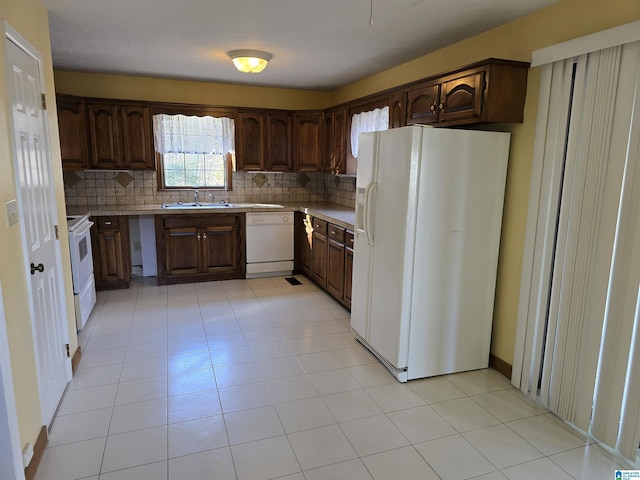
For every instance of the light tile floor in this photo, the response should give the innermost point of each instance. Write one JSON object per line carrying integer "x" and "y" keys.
{"x": 259, "y": 379}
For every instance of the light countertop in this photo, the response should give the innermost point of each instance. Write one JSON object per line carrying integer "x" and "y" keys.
{"x": 330, "y": 212}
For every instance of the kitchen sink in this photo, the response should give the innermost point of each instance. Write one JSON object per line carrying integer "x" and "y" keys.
{"x": 219, "y": 205}
{"x": 196, "y": 205}
{"x": 256, "y": 205}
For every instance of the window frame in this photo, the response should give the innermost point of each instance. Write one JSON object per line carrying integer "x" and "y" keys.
{"x": 198, "y": 111}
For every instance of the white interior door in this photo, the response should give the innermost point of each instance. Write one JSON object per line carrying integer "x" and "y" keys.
{"x": 38, "y": 220}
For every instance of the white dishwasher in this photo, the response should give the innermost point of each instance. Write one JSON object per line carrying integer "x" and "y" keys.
{"x": 269, "y": 244}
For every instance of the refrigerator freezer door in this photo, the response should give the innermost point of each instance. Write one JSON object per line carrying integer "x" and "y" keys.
{"x": 360, "y": 295}
{"x": 393, "y": 228}
{"x": 382, "y": 317}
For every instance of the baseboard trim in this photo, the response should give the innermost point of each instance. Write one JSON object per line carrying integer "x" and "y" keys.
{"x": 75, "y": 360}
{"x": 500, "y": 366}
{"x": 38, "y": 451}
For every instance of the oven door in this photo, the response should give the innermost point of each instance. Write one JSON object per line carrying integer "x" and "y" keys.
{"x": 81, "y": 256}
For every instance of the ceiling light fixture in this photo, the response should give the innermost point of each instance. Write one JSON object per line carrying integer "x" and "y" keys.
{"x": 250, "y": 61}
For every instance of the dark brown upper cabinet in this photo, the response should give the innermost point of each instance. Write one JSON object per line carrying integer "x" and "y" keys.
{"x": 335, "y": 141}
{"x": 492, "y": 91}
{"x": 72, "y": 129}
{"x": 279, "y": 138}
{"x": 120, "y": 136}
{"x": 307, "y": 141}
{"x": 397, "y": 109}
{"x": 250, "y": 140}
{"x": 137, "y": 141}
{"x": 104, "y": 135}
{"x": 263, "y": 140}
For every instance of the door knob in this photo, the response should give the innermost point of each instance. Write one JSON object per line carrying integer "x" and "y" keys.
{"x": 39, "y": 268}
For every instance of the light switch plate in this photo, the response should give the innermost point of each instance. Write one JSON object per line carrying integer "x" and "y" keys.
{"x": 12, "y": 212}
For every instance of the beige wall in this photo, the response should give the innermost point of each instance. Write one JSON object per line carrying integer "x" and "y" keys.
{"x": 180, "y": 91}
{"x": 29, "y": 19}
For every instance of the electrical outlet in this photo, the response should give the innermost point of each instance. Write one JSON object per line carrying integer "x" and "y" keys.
{"x": 12, "y": 212}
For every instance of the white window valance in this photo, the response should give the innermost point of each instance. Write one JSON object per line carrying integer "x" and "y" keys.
{"x": 372, "y": 121}
{"x": 195, "y": 135}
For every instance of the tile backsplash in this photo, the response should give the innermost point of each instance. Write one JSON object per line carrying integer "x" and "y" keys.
{"x": 140, "y": 188}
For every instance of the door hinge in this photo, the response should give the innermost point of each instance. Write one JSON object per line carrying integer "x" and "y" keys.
{"x": 68, "y": 352}
{"x": 57, "y": 229}
{"x": 44, "y": 101}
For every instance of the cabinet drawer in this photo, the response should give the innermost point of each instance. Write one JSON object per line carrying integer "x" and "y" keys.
{"x": 319, "y": 226}
{"x": 348, "y": 239}
{"x": 336, "y": 233}
{"x": 108, "y": 223}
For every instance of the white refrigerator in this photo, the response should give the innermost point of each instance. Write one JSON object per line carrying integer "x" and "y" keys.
{"x": 428, "y": 220}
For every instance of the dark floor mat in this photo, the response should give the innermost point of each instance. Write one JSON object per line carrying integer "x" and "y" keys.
{"x": 293, "y": 280}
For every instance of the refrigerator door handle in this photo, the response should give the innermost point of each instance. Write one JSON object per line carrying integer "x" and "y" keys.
{"x": 368, "y": 215}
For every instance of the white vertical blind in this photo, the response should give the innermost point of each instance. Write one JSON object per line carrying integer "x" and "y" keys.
{"x": 576, "y": 340}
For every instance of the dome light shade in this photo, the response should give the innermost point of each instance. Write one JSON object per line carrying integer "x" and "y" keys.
{"x": 250, "y": 61}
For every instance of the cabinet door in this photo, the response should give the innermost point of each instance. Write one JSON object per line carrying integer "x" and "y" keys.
{"x": 111, "y": 255}
{"x": 319, "y": 259}
{"x": 137, "y": 145}
{"x": 307, "y": 143}
{"x": 250, "y": 145}
{"x": 335, "y": 269}
{"x": 397, "y": 109}
{"x": 305, "y": 244}
{"x": 461, "y": 98}
{"x": 182, "y": 250}
{"x": 73, "y": 132}
{"x": 422, "y": 104}
{"x": 279, "y": 137}
{"x": 339, "y": 164}
{"x": 104, "y": 136}
{"x": 328, "y": 154}
{"x": 220, "y": 249}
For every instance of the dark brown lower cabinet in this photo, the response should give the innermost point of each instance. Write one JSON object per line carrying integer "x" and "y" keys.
{"x": 111, "y": 255}
{"x": 303, "y": 244}
{"x": 319, "y": 258}
{"x": 193, "y": 248}
{"x": 328, "y": 258}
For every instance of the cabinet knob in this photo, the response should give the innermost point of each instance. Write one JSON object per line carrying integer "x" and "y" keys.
{"x": 441, "y": 106}
{"x": 198, "y": 236}
{"x": 204, "y": 236}
{"x": 433, "y": 108}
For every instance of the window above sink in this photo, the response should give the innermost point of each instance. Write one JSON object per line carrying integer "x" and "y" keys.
{"x": 193, "y": 151}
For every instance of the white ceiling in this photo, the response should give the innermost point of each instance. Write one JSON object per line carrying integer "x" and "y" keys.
{"x": 316, "y": 44}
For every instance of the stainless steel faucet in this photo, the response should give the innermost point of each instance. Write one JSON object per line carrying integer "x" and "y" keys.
{"x": 197, "y": 196}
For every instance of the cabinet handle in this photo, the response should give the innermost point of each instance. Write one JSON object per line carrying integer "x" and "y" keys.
{"x": 333, "y": 232}
{"x": 433, "y": 108}
{"x": 441, "y": 106}
{"x": 107, "y": 223}
{"x": 198, "y": 236}
{"x": 204, "y": 236}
